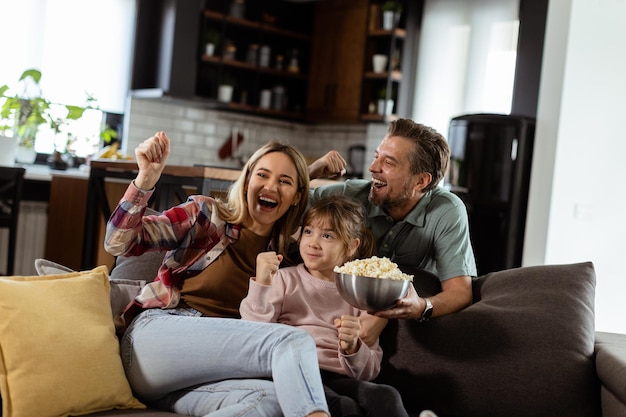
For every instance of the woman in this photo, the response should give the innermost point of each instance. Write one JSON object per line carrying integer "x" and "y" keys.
{"x": 184, "y": 351}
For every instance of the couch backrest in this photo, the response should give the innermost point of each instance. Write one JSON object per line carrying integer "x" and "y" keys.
{"x": 523, "y": 348}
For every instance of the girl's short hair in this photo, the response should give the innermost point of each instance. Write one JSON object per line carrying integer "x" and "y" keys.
{"x": 346, "y": 217}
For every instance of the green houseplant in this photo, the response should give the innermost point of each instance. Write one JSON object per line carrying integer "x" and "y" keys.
{"x": 391, "y": 13}
{"x": 211, "y": 41}
{"x": 392, "y": 6}
{"x": 226, "y": 88}
{"x": 22, "y": 113}
{"x": 385, "y": 104}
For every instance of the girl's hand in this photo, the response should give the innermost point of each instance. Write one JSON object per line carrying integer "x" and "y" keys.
{"x": 371, "y": 328}
{"x": 151, "y": 155}
{"x": 348, "y": 332}
{"x": 267, "y": 263}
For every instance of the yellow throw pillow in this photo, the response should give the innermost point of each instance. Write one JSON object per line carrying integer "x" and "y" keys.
{"x": 59, "y": 355}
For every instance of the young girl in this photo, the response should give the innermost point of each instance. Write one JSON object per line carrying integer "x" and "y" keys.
{"x": 305, "y": 296}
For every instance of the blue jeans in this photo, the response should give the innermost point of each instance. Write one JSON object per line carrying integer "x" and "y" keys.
{"x": 220, "y": 367}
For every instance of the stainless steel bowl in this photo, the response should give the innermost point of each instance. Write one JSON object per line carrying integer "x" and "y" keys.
{"x": 370, "y": 294}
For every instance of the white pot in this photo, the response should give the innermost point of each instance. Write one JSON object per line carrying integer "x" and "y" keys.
{"x": 225, "y": 93}
{"x": 266, "y": 99}
{"x": 379, "y": 63}
{"x": 388, "y": 19}
{"x": 25, "y": 155}
{"x": 209, "y": 49}
{"x": 385, "y": 107}
{"x": 8, "y": 149}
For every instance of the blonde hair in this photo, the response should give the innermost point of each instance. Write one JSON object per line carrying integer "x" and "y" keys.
{"x": 346, "y": 217}
{"x": 235, "y": 209}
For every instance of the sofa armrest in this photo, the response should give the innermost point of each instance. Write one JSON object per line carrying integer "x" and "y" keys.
{"x": 610, "y": 355}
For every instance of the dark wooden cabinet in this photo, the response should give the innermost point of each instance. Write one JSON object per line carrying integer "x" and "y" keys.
{"x": 332, "y": 42}
{"x": 337, "y": 61}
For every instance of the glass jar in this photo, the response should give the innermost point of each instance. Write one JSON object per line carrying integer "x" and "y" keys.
{"x": 294, "y": 66}
{"x": 264, "y": 57}
{"x": 280, "y": 62}
{"x": 237, "y": 9}
{"x": 230, "y": 50}
{"x": 253, "y": 51}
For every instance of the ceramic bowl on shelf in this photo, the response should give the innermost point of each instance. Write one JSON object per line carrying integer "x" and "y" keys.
{"x": 370, "y": 294}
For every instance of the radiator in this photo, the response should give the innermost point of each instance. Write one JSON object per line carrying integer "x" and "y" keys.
{"x": 31, "y": 238}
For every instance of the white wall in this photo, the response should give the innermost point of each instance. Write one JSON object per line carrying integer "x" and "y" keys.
{"x": 576, "y": 205}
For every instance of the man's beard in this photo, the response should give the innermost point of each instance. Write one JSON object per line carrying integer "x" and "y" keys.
{"x": 387, "y": 202}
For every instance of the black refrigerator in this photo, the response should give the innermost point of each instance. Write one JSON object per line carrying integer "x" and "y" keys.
{"x": 490, "y": 162}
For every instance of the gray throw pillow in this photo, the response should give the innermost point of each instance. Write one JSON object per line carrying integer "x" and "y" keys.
{"x": 46, "y": 267}
{"x": 123, "y": 290}
{"x": 138, "y": 268}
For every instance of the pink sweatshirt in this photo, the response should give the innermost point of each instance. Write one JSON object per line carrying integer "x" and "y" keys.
{"x": 299, "y": 299}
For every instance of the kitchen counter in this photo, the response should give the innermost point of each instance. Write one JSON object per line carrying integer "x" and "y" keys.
{"x": 38, "y": 172}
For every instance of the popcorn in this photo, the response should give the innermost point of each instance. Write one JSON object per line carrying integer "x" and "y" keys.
{"x": 374, "y": 267}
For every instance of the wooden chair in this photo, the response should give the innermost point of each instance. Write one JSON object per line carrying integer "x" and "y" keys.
{"x": 11, "y": 183}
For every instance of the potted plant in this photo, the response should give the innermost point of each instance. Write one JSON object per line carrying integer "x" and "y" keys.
{"x": 23, "y": 113}
{"x": 211, "y": 40}
{"x": 391, "y": 14}
{"x": 385, "y": 104}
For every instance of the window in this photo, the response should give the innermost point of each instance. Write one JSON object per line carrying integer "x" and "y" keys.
{"x": 80, "y": 47}
{"x": 467, "y": 59}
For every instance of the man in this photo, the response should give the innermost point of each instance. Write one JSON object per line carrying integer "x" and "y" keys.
{"x": 415, "y": 222}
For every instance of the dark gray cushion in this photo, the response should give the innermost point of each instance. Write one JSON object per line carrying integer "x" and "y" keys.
{"x": 137, "y": 268}
{"x": 131, "y": 273}
{"x": 524, "y": 348}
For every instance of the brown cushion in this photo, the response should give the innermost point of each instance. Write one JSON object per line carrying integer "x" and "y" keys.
{"x": 524, "y": 348}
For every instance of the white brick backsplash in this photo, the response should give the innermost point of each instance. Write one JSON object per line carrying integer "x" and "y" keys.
{"x": 198, "y": 133}
{"x": 194, "y": 140}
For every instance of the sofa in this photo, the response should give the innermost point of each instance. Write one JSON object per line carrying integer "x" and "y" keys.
{"x": 525, "y": 347}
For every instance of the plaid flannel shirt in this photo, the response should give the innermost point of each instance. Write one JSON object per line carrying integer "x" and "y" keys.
{"x": 192, "y": 232}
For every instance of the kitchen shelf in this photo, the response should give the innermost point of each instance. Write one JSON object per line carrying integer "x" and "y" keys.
{"x": 258, "y": 27}
{"x": 394, "y": 75}
{"x": 253, "y": 67}
{"x": 385, "y": 85}
{"x": 265, "y": 27}
{"x": 397, "y": 32}
{"x": 373, "y": 117}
